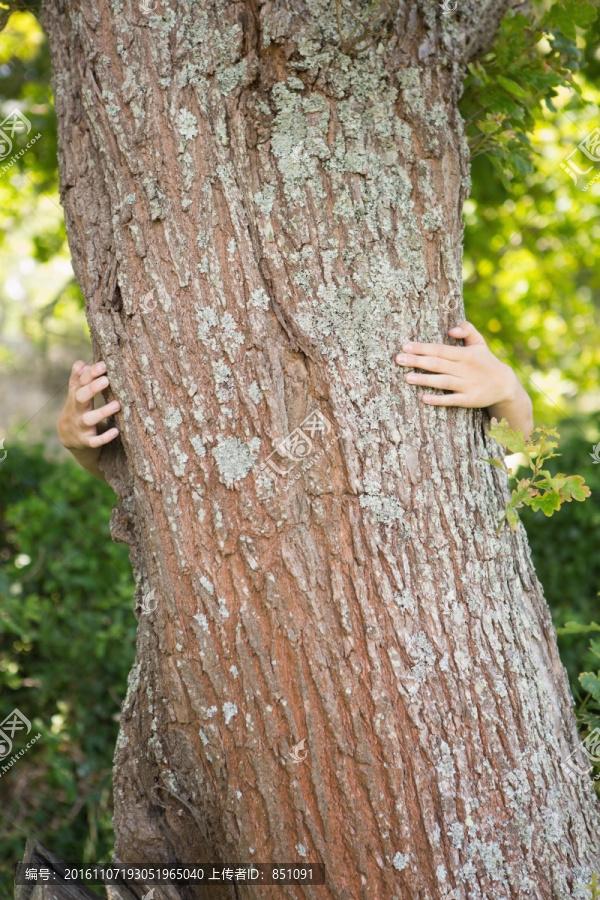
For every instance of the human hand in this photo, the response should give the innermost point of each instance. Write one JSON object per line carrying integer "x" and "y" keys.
{"x": 474, "y": 376}
{"x": 79, "y": 425}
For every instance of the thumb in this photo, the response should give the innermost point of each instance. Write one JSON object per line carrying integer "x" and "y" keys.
{"x": 468, "y": 333}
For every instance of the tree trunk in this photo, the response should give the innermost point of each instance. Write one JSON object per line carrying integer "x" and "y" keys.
{"x": 257, "y": 221}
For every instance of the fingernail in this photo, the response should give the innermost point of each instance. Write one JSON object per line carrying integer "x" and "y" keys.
{"x": 407, "y": 347}
{"x": 401, "y": 358}
{"x": 102, "y": 366}
{"x": 410, "y": 377}
{"x": 104, "y": 382}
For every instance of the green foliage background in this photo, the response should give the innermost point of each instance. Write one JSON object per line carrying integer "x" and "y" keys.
{"x": 67, "y": 643}
{"x": 67, "y": 628}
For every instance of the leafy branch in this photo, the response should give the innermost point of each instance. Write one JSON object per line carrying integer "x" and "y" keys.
{"x": 527, "y": 65}
{"x": 541, "y": 490}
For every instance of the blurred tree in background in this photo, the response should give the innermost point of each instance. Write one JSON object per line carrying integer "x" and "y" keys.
{"x": 531, "y": 250}
{"x": 67, "y": 628}
{"x": 42, "y": 323}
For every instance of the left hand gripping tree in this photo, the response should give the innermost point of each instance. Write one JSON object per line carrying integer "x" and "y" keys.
{"x": 288, "y": 183}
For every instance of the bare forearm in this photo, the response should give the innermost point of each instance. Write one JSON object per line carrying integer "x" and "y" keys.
{"x": 516, "y": 409}
{"x": 471, "y": 376}
{"x": 88, "y": 458}
{"x": 82, "y": 429}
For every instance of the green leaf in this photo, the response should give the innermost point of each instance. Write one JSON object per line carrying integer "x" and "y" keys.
{"x": 525, "y": 490}
{"x": 577, "y": 628}
{"x": 489, "y": 127}
{"x": 548, "y": 502}
{"x": 576, "y": 488}
{"x": 512, "y": 518}
{"x": 591, "y": 684}
{"x": 512, "y": 87}
{"x": 511, "y": 438}
{"x": 522, "y": 163}
{"x": 567, "y": 14}
{"x": 496, "y": 462}
{"x": 543, "y": 491}
{"x": 541, "y": 444}
{"x": 570, "y": 487}
{"x": 499, "y": 169}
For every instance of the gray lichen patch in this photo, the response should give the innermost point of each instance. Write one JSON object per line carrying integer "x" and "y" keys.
{"x": 260, "y": 298}
{"x": 202, "y": 621}
{"x": 255, "y": 393}
{"x": 385, "y": 509}
{"x": 172, "y": 419}
{"x": 424, "y": 655}
{"x": 232, "y": 77}
{"x": 229, "y": 711}
{"x": 207, "y": 585}
{"x": 205, "y": 36}
{"x": 224, "y": 381}
{"x": 298, "y": 138}
{"x": 400, "y": 861}
{"x": 264, "y": 199}
{"x": 445, "y": 765}
{"x": 187, "y": 125}
{"x": 456, "y": 833}
{"x": 179, "y": 460}
{"x": 234, "y": 459}
{"x": 411, "y": 82}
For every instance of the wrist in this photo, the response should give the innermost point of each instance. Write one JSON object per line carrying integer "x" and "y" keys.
{"x": 61, "y": 433}
{"x": 88, "y": 457}
{"x": 513, "y": 390}
{"x": 515, "y": 407}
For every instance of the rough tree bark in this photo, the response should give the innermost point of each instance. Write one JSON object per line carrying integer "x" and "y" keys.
{"x": 296, "y": 211}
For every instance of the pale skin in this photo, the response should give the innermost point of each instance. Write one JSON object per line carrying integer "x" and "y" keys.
{"x": 474, "y": 376}
{"x": 81, "y": 428}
